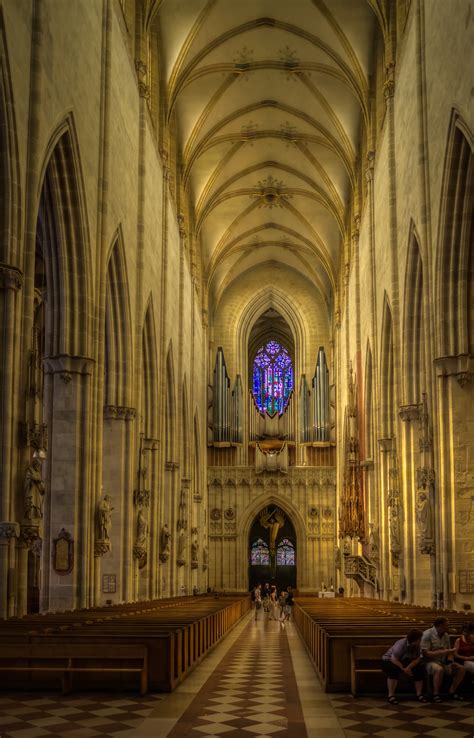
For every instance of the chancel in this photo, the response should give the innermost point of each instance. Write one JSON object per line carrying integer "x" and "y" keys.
{"x": 236, "y": 349}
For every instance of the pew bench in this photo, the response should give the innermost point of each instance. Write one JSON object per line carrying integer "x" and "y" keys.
{"x": 69, "y": 659}
{"x": 367, "y": 659}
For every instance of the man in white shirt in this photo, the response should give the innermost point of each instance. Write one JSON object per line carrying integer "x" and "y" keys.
{"x": 437, "y": 652}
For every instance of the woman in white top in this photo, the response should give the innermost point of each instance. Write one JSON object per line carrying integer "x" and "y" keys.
{"x": 258, "y": 599}
{"x": 273, "y": 603}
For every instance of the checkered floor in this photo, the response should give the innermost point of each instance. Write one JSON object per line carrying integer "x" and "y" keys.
{"x": 31, "y": 716}
{"x": 253, "y": 691}
{"x": 258, "y": 682}
{"x": 374, "y": 717}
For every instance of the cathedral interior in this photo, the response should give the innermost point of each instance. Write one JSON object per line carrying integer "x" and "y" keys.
{"x": 237, "y": 302}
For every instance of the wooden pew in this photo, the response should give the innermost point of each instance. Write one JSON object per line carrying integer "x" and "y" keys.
{"x": 177, "y": 634}
{"x": 68, "y": 659}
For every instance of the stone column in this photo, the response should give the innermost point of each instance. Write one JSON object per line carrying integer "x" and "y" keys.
{"x": 8, "y": 533}
{"x": 117, "y": 480}
{"x": 68, "y": 504}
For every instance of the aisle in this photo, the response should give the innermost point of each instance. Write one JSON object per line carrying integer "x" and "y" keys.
{"x": 259, "y": 682}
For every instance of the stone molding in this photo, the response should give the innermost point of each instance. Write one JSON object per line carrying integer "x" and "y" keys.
{"x": 172, "y": 465}
{"x": 101, "y": 548}
{"x": 409, "y": 412}
{"x": 119, "y": 412}
{"x": 385, "y": 444}
{"x": 9, "y": 529}
{"x": 11, "y": 278}
{"x": 220, "y": 477}
{"x": 66, "y": 365}
{"x": 461, "y": 367}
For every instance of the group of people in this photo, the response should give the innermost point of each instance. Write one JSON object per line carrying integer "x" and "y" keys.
{"x": 429, "y": 652}
{"x": 275, "y": 607}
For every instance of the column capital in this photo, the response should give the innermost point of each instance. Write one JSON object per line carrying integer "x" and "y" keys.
{"x": 9, "y": 529}
{"x": 11, "y": 278}
{"x": 119, "y": 412}
{"x": 66, "y": 365}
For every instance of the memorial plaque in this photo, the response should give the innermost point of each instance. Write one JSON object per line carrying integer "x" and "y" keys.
{"x": 109, "y": 583}
{"x": 466, "y": 581}
{"x": 63, "y": 553}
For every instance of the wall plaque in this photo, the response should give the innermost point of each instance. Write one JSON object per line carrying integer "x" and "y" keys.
{"x": 466, "y": 581}
{"x": 63, "y": 553}
{"x": 109, "y": 583}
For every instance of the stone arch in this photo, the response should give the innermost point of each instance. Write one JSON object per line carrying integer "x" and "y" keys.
{"x": 264, "y": 300}
{"x": 455, "y": 261}
{"x": 118, "y": 370}
{"x": 185, "y": 444}
{"x": 62, "y": 229}
{"x": 244, "y": 526}
{"x": 170, "y": 407}
{"x": 413, "y": 345}
{"x": 150, "y": 374}
{"x": 387, "y": 372}
{"x": 368, "y": 427}
{"x": 197, "y": 457}
{"x": 10, "y": 214}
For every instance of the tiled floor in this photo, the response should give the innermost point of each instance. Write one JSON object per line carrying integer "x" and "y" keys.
{"x": 258, "y": 682}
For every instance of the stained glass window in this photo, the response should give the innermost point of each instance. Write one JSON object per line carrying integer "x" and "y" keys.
{"x": 272, "y": 378}
{"x": 285, "y": 553}
{"x": 259, "y": 553}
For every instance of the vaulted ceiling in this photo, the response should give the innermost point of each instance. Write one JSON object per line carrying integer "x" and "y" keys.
{"x": 271, "y": 99}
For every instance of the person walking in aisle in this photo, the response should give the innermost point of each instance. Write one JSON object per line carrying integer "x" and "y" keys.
{"x": 258, "y": 599}
{"x": 273, "y": 603}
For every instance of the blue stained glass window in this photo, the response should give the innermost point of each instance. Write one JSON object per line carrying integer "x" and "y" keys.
{"x": 272, "y": 378}
{"x": 259, "y": 553}
{"x": 285, "y": 553}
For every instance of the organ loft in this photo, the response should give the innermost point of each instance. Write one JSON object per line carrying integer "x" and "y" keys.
{"x": 236, "y": 300}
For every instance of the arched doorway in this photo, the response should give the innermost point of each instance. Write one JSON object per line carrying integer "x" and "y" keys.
{"x": 272, "y": 549}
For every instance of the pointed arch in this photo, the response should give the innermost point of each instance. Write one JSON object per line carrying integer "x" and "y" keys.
{"x": 118, "y": 373}
{"x": 150, "y": 374}
{"x": 387, "y": 372}
{"x": 185, "y": 445}
{"x": 170, "y": 407}
{"x": 197, "y": 460}
{"x": 9, "y": 167}
{"x": 368, "y": 405}
{"x": 63, "y": 236}
{"x": 413, "y": 344}
{"x": 455, "y": 272}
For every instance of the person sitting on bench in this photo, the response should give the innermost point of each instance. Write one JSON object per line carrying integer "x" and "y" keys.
{"x": 464, "y": 647}
{"x": 438, "y": 654}
{"x": 404, "y": 657}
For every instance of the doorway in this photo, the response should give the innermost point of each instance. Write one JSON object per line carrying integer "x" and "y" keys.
{"x": 272, "y": 549}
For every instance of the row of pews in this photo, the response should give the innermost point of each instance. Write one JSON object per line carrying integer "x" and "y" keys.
{"x": 154, "y": 644}
{"x": 346, "y": 638}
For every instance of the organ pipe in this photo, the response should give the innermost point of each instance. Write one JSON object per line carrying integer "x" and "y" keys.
{"x": 320, "y": 404}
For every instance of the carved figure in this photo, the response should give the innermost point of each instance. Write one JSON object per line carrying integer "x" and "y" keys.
{"x": 34, "y": 490}
{"x": 104, "y": 519}
{"x": 142, "y": 529}
{"x": 181, "y": 546}
{"x": 165, "y": 540}
{"x": 194, "y": 550}
{"x": 373, "y": 547}
{"x": 424, "y": 519}
{"x": 205, "y": 557}
{"x": 273, "y": 520}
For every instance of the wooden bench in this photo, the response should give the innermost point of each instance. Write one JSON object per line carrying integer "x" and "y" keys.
{"x": 43, "y": 658}
{"x": 366, "y": 660}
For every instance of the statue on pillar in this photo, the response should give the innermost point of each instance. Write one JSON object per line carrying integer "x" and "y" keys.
{"x": 103, "y": 525}
{"x": 205, "y": 558}
{"x": 165, "y": 543}
{"x": 34, "y": 488}
{"x": 194, "y": 554}
{"x": 181, "y": 547}
{"x": 425, "y": 522}
{"x": 142, "y": 529}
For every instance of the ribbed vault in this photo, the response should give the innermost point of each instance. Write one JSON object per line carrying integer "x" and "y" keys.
{"x": 271, "y": 102}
